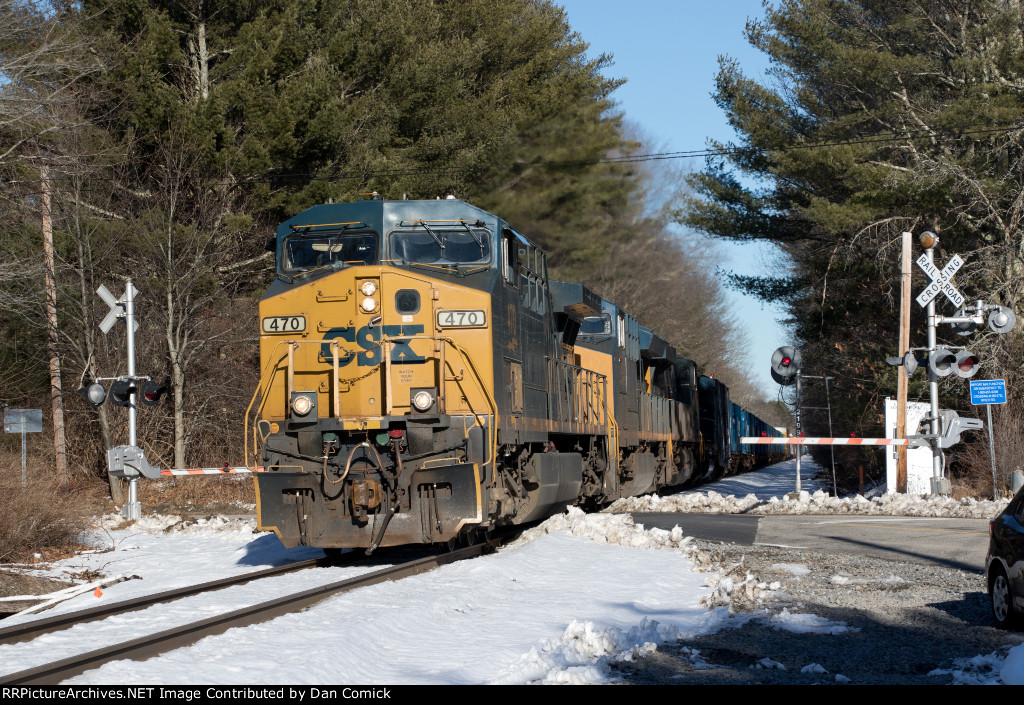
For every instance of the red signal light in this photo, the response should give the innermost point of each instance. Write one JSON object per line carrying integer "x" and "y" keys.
{"x": 968, "y": 363}
{"x": 786, "y": 361}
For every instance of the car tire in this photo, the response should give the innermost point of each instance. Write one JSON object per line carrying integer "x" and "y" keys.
{"x": 1001, "y": 599}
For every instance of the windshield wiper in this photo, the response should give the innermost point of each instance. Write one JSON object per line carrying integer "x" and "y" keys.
{"x": 438, "y": 240}
{"x": 479, "y": 240}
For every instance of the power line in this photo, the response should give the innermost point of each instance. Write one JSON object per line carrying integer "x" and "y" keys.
{"x": 658, "y": 156}
{"x": 860, "y": 139}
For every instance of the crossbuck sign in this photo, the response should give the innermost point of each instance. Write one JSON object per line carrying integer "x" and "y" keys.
{"x": 117, "y": 309}
{"x": 940, "y": 281}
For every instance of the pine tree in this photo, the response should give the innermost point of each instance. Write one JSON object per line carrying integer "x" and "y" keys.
{"x": 877, "y": 118}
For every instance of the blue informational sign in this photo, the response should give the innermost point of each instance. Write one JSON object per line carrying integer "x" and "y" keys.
{"x": 988, "y": 391}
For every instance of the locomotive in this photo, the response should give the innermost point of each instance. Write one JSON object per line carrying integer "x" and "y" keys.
{"x": 424, "y": 381}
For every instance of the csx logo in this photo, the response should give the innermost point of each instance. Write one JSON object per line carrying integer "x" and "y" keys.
{"x": 368, "y": 338}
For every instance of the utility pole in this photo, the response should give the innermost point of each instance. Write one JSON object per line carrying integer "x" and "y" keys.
{"x": 903, "y": 382}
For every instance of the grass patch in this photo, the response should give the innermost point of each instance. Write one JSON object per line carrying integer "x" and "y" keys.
{"x": 199, "y": 491}
{"x": 44, "y": 517}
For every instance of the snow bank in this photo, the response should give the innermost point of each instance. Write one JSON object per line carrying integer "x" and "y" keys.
{"x": 817, "y": 503}
{"x": 583, "y": 653}
{"x": 617, "y": 529}
{"x": 1005, "y": 666}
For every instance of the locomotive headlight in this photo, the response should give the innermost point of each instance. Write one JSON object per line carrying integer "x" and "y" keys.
{"x": 302, "y": 404}
{"x": 368, "y": 288}
{"x": 422, "y": 400}
{"x": 369, "y": 304}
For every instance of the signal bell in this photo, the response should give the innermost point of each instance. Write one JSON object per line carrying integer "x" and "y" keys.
{"x": 786, "y": 363}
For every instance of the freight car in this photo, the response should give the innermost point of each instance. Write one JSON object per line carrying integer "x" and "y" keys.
{"x": 423, "y": 381}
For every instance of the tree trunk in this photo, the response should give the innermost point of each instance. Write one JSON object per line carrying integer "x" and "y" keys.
{"x": 56, "y": 400}
{"x": 199, "y": 60}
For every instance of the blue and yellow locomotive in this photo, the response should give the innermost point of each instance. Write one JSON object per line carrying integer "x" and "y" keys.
{"x": 423, "y": 381}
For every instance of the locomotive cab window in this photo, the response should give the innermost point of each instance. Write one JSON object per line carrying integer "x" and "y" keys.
{"x": 596, "y": 325}
{"x": 442, "y": 245}
{"x": 510, "y": 257}
{"x": 306, "y": 252}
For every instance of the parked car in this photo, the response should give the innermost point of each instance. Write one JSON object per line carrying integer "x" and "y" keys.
{"x": 1004, "y": 567}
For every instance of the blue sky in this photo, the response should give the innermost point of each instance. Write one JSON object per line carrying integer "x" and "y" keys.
{"x": 667, "y": 50}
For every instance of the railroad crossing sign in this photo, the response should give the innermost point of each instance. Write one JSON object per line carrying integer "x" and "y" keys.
{"x": 117, "y": 306}
{"x": 940, "y": 281}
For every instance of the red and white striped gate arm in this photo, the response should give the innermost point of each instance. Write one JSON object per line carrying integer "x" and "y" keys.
{"x": 211, "y": 471}
{"x": 797, "y": 441}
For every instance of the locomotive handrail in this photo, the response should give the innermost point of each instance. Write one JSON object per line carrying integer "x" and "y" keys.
{"x": 273, "y": 366}
{"x": 270, "y": 373}
{"x": 492, "y": 430}
{"x": 258, "y": 392}
{"x": 567, "y": 379}
{"x": 613, "y": 436}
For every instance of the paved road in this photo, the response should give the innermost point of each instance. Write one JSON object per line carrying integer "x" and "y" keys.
{"x": 907, "y": 593}
{"x": 953, "y": 543}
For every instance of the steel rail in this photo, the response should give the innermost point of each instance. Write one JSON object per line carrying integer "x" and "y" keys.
{"x": 154, "y": 644}
{"x": 30, "y": 630}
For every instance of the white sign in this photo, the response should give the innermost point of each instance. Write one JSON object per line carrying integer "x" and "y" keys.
{"x": 461, "y": 319}
{"x": 940, "y": 281}
{"x": 919, "y": 460}
{"x": 117, "y": 309}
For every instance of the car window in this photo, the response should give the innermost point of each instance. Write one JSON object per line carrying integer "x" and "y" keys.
{"x": 1018, "y": 510}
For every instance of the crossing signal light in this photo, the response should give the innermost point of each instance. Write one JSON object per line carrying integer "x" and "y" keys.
{"x": 93, "y": 392}
{"x": 1002, "y": 320}
{"x": 121, "y": 391}
{"x": 910, "y": 363}
{"x": 967, "y": 363}
{"x": 151, "y": 393}
{"x": 941, "y": 363}
{"x": 964, "y": 328}
{"x": 786, "y": 364}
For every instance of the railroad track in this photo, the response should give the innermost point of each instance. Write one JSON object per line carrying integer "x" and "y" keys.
{"x": 185, "y": 635}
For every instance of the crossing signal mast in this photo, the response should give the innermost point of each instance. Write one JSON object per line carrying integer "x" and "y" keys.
{"x": 125, "y": 461}
{"x": 786, "y": 366}
{"x": 941, "y": 360}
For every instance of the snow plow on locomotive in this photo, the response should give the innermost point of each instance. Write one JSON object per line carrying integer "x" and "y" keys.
{"x": 423, "y": 381}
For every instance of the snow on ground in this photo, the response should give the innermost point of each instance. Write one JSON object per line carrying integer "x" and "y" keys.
{"x": 765, "y": 492}
{"x": 568, "y": 599}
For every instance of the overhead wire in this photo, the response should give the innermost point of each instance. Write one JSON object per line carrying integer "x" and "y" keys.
{"x": 726, "y": 150}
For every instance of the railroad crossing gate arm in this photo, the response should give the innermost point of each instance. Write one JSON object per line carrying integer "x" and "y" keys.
{"x": 801, "y": 441}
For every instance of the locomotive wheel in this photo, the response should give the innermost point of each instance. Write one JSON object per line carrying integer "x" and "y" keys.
{"x": 447, "y": 546}
{"x": 333, "y": 554}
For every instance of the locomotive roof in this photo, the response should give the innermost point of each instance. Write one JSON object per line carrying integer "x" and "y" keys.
{"x": 384, "y": 215}
{"x": 654, "y": 347}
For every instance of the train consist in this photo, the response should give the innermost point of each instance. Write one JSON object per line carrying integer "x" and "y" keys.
{"x": 423, "y": 381}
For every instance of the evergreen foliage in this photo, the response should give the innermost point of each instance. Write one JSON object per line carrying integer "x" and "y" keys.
{"x": 178, "y": 133}
{"x": 876, "y": 117}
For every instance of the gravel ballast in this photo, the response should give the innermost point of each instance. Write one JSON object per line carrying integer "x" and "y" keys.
{"x": 837, "y": 619}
